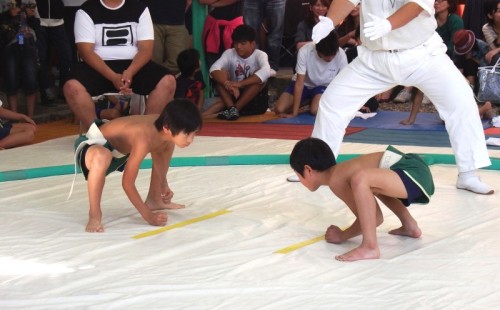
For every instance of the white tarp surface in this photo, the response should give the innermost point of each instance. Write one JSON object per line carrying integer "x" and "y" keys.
{"x": 229, "y": 261}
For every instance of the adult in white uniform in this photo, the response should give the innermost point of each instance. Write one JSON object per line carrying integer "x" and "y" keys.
{"x": 401, "y": 47}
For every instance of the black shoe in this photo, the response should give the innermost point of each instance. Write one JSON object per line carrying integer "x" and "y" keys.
{"x": 234, "y": 114}
{"x": 223, "y": 115}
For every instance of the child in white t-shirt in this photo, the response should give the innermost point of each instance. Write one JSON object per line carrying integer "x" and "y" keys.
{"x": 317, "y": 65}
{"x": 240, "y": 76}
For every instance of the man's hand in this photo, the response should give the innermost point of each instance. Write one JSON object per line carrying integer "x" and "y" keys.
{"x": 377, "y": 28}
{"x": 322, "y": 28}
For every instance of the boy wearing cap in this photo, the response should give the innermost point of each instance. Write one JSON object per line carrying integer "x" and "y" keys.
{"x": 401, "y": 47}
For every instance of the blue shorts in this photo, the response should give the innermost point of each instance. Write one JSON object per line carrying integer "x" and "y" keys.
{"x": 5, "y": 128}
{"x": 414, "y": 192}
{"x": 307, "y": 93}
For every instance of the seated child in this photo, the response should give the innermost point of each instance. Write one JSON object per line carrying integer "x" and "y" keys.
{"x": 127, "y": 141}
{"x": 395, "y": 178}
{"x": 317, "y": 65}
{"x": 190, "y": 82}
{"x": 14, "y": 134}
{"x": 111, "y": 106}
{"x": 486, "y": 111}
{"x": 240, "y": 76}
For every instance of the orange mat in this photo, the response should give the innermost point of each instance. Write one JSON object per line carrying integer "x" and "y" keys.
{"x": 492, "y": 131}
{"x": 265, "y": 131}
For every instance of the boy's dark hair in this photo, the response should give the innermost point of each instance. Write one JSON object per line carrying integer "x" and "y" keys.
{"x": 180, "y": 115}
{"x": 329, "y": 45}
{"x": 313, "y": 152}
{"x": 188, "y": 61}
{"x": 243, "y": 33}
{"x": 490, "y": 7}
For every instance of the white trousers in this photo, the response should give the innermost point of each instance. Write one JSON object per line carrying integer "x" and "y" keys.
{"x": 426, "y": 67}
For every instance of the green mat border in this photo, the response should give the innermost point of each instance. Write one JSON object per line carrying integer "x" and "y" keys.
{"x": 197, "y": 161}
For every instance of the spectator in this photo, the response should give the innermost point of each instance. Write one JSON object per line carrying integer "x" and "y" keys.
{"x": 14, "y": 134}
{"x": 70, "y": 8}
{"x": 171, "y": 34}
{"x": 492, "y": 29}
{"x": 240, "y": 76}
{"x": 115, "y": 41}
{"x": 347, "y": 30}
{"x": 52, "y": 33}
{"x": 317, "y": 65}
{"x": 19, "y": 53}
{"x": 474, "y": 17}
{"x": 223, "y": 17}
{"x": 303, "y": 34}
{"x": 448, "y": 22}
{"x": 190, "y": 83}
{"x": 273, "y": 12}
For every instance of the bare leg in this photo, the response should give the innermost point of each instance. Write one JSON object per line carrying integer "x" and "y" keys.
{"x": 30, "y": 104}
{"x": 213, "y": 110}
{"x": 161, "y": 95}
{"x": 365, "y": 184}
{"x": 415, "y": 107}
{"x": 248, "y": 94}
{"x": 225, "y": 96}
{"x": 12, "y": 100}
{"x": 97, "y": 161}
{"x": 80, "y": 102}
{"x": 409, "y": 226}
{"x": 315, "y": 104}
{"x": 20, "y": 134}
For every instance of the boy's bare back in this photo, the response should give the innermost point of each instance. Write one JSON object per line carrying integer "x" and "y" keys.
{"x": 137, "y": 132}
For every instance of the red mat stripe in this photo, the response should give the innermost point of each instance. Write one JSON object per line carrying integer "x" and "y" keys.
{"x": 262, "y": 131}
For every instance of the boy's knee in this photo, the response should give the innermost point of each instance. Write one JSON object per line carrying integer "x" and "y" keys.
{"x": 71, "y": 86}
{"x": 98, "y": 158}
{"x": 168, "y": 83}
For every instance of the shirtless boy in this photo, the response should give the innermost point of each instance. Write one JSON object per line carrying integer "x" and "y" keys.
{"x": 395, "y": 178}
{"x": 123, "y": 143}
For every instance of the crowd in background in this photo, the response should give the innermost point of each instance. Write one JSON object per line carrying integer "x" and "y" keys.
{"x": 37, "y": 51}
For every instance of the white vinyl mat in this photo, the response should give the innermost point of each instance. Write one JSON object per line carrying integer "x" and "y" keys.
{"x": 246, "y": 240}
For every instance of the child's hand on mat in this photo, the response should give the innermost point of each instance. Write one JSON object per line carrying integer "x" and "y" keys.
{"x": 334, "y": 234}
{"x": 158, "y": 219}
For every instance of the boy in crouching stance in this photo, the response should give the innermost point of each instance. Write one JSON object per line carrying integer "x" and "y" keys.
{"x": 395, "y": 178}
{"x": 122, "y": 144}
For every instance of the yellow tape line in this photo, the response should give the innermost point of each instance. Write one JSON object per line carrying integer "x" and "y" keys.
{"x": 181, "y": 224}
{"x": 299, "y": 245}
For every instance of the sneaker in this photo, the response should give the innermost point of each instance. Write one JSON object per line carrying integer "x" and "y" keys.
{"x": 234, "y": 114}
{"x": 474, "y": 185}
{"x": 223, "y": 115}
{"x": 403, "y": 96}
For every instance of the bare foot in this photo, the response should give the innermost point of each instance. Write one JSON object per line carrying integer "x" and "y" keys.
{"x": 406, "y": 122}
{"x": 94, "y": 225}
{"x": 359, "y": 253}
{"x": 413, "y": 232}
{"x": 160, "y": 205}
